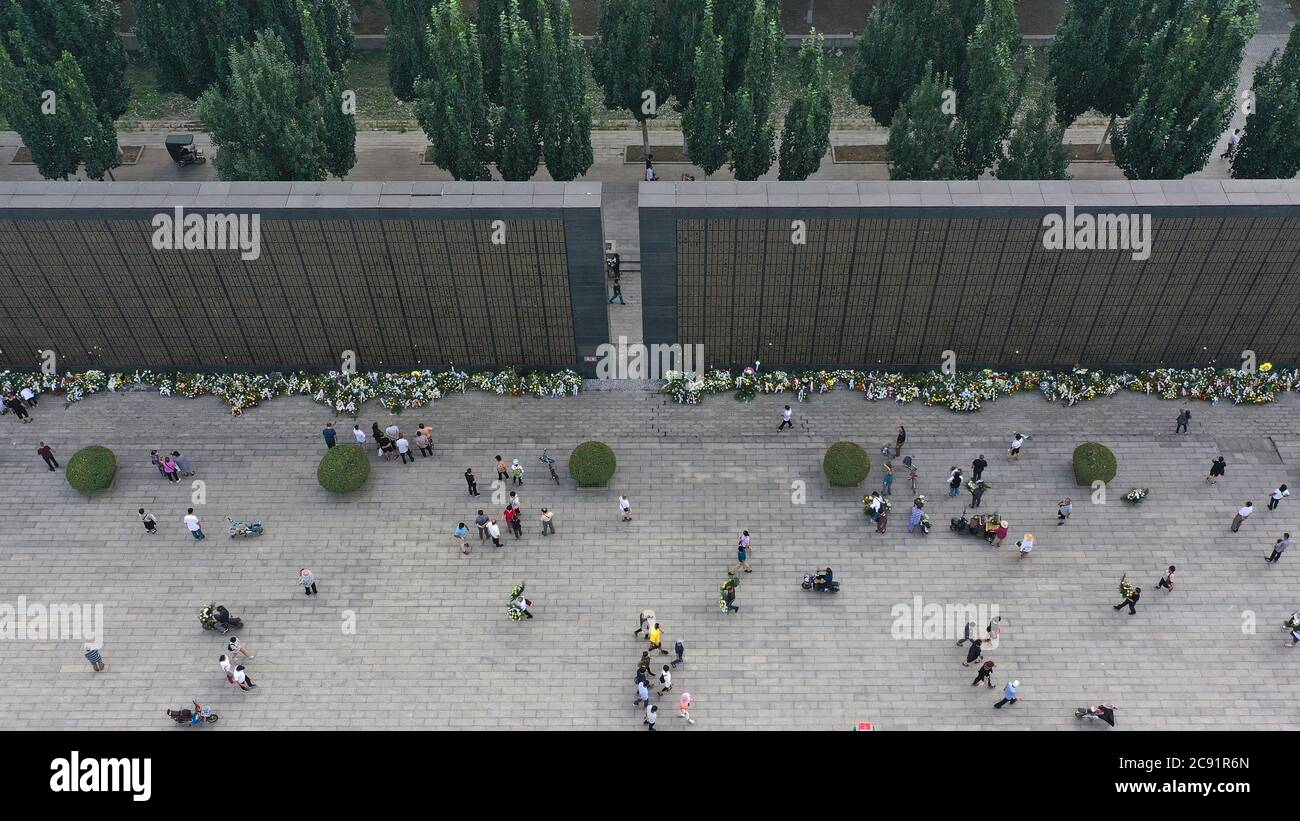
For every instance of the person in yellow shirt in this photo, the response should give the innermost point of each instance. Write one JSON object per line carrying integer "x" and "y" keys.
{"x": 656, "y": 639}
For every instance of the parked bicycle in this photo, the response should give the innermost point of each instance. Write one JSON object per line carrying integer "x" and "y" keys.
{"x": 546, "y": 459}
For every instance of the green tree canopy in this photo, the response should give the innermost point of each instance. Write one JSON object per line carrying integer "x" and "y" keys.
{"x": 805, "y": 137}
{"x": 408, "y": 53}
{"x": 1035, "y": 151}
{"x": 753, "y": 135}
{"x": 517, "y": 140}
{"x": 624, "y": 61}
{"x": 704, "y": 122}
{"x": 986, "y": 109}
{"x": 566, "y": 124}
{"x": 451, "y": 104}
{"x": 924, "y": 138}
{"x": 1271, "y": 145}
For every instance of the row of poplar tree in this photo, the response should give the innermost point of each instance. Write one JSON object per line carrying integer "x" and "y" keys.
{"x": 950, "y": 78}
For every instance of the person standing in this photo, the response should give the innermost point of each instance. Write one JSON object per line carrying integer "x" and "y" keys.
{"x": 625, "y": 507}
{"x": 985, "y": 674}
{"x": 16, "y": 405}
{"x": 1026, "y": 545}
{"x": 1017, "y": 442}
{"x": 404, "y": 450}
{"x": 494, "y": 532}
{"x": 976, "y": 650}
{"x": 1063, "y": 510}
{"x": 392, "y": 431}
{"x": 977, "y": 493}
{"x": 513, "y": 501}
{"x": 882, "y": 520}
{"x": 1183, "y": 418}
{"x": 227, "y": 668}
{"x": 918, "y": 513}
{"x": 516, "y": 473}
{"x": 1274, "y": 499}
{"x": 327, "y": 433}
{"x": 899, "y": 440}
{"x": 47, "y": 453}
{"x": 1233, "y": 139}
{"x": 742, "y": 553}
{"x": 424, "y": 443}
{"x": 646, "y": 620}
{"x": 977, "y": 468}
{"x": 481, "y": 521}
{"x": 28, "y": 396}
{"x": 888, "y": 479}
{"x": 679, "y": 649}
{"x": 308, "y": 582}
{"x": 359, "y": 435}
{"x": 1010, "y": 694}
{"x": 472, "y": 481}
{"x": 786, "y": 416}
{"x": 548, "y": 526}
{"x": 1001, "y": 533}
{"x": 1167, "y": 580}
{"x": 149, "y": 521}
{"x": 651, "y": 716}
{"x": 195, "y": 526}
{"x": 501, "y": 469}
{"x": 93, "y": 656}
{"x": 1242, "y": 514}
{"x": 461, "y": 535}
{"x": 186, "y": 469}
{"x": 171, "y": 470}
{"x": 684, "y": 708}
{"x": 954, "y": 481}
{"x": 1217, "y": 469}
{"x": 513, "y": 520}
{"x": 1279, "y": 547}
{"x": 1131, "y": 600}
{"x": 242, "y": 679}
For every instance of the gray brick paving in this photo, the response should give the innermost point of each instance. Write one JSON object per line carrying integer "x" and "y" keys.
{"x": 433, "y": 648}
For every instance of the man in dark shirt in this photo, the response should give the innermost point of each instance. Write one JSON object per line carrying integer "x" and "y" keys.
{"x": 898, "y": 443}
{"x": 1131, "y": 601}
{"x": 328, "y": 433}
{"x": 977, "y": 468}
{"x": 47, "y": 453}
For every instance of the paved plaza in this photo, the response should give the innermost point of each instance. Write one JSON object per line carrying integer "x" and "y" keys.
{"x": 433, "y": 648}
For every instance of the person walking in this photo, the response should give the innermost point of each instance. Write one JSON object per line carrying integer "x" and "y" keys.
{"x": 1131, "y": 600}
{"x": 985, "y": 674}
{"x": 149, "y": 521}
{"x": 513, "y": 522}
{"x": 1064, "y": 508}
{"x": 196, "y": 527}
{"x": 679, "y": 649}
{"x": 993, "y": 630}
{"x": 888, "y": 479}
{"x": 1010, "y": 694}
{"x": 502, "y": 468}
{"x": 1279, "y": 547}
{"x": 1183, "y": 418}
{"x": 665, "y": 680}
{"x": 1026, "y": 545}
{"x": 976, "y": 650}
{"x": 516, "y": 473}
{"x": 977, "y": 493}
{"x": 1233, "y": 139}
{"x": 977, "y": 468}
{"x": 1167, "y": 580}
{"x": 1242, "y": 514}
{"x": 548, "y": 525}
{"x": 1217, "y": 469}
{"x": 404, "y": 450}
{"x": 645, "y": 621}
{"x": 471, "y": 481}
{"x": 656, "y": 639}
{"x": 359, "y": 435}
{"x": 494, "y": 531}
{"x": 618, "y": 293}
{"x": 16, "y": 405}
{"x": 93, "y": 656}
{"x": 1001, "y": 533}
{"x": 523, "y": 603}
{"x": 729, "y": 598}
{"x": 513, "y": 501}
{"x": 651, "y": 716}
{"x": 1274, "y": 499}
{"x": 882, "y": 520}
{"x": 1013, "y": 453}
{"x": 875, "y": 503}
{"x": 461, "y": 535}
{"x": 227, "y": 668}
{"x": 642, "y": 691}
{"x": 742, "y": 554}
{"x": 308, "y": 582}
{"x": 918, "y": 513}
{"x": 684, "y": 708}
{"x": 786, "y": 417}
{"x": 425, "y": 444}
{"x": 237, "y": 648}
{"x": 625, "y": 507}
{"x": 47, "y": 453}
{"x": 327, "y": 433}
{"x": 954, "y": 481}
{"x": 242, "y": 679}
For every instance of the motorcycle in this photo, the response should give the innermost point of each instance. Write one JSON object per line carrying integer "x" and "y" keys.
{"x": 1102, "y": 712}
{"x": 962, "y": 524}
{"x": 183, "y": 151}
{"x": 243, "y": 528}
{"x": 809, "y": 583}
{"x": 193, "y": 718}
{"x": 208, "y": 618}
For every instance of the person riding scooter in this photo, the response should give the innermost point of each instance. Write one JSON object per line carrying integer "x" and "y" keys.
{"x": 823, "y": 578}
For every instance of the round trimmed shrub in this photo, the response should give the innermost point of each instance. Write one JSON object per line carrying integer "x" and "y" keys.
{"x": 343, "y": 469}
{"x": 846, "y": 465}
{"x": 92, "y": 468}
{"x": 592, "y": 464}
{"x": 1093, "y": 462}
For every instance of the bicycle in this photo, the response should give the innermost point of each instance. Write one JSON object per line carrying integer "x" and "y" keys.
{"x": 911, "y": 472}
{"x": 550, "y": 465}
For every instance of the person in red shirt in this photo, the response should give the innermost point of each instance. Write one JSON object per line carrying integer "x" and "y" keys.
{"x": 512, "y": 521}
{"x": 47, "y": 453}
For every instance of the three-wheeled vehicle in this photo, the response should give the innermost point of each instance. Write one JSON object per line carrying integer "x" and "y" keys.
{"x": 182, "y": 149}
